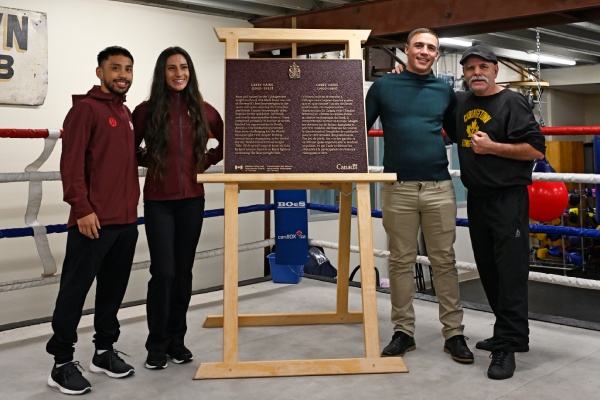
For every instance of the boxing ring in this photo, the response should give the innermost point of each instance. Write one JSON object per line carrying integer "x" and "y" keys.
{"x": 49, "y": 275}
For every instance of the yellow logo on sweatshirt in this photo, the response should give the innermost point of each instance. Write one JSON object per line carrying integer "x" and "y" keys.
{"x": 471, "y": 129}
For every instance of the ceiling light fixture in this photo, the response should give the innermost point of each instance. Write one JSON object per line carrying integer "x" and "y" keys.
{"x": 532, "y": 57}
{"x": 545, "y": 58}
{"x": 455, "y": 42}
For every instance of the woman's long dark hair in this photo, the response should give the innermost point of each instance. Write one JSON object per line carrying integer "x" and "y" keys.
{"x": 158, "y": 121}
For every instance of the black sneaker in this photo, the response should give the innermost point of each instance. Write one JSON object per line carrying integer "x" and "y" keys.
{"x": 180, "y": 354}
{"x": 400, "y": 344}
{"x": 503, "y": 365}
{"x": 456, "y": 346}
{"x": 111, "y": 364}
{"x": 487, "y": 345}
{"x": 68, "y": 379}
{"x": 156, "y": 360}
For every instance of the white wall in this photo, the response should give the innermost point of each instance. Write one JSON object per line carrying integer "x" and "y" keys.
{"x": 565, "y": 108}
{"x": 592, "y": 105}
{"x": 77, "y": 31}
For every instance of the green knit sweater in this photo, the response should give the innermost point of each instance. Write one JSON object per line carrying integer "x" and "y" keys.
{"x": 413, "y": 109}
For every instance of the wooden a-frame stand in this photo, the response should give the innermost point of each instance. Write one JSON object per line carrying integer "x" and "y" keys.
{"x": 230, "y": 367}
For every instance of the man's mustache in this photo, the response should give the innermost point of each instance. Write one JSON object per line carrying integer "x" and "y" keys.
{"x": 478, "y": 78}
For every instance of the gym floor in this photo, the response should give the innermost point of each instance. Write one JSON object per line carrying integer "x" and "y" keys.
{"x": 563, "y": 361}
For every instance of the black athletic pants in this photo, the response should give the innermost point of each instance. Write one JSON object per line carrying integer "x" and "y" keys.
{"x": 499, "y": 230}
{"x": 108, "y": 259}
{"x": 173, "y": 229}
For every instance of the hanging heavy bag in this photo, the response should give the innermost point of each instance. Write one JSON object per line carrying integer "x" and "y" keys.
{"x": 355, "y": 270}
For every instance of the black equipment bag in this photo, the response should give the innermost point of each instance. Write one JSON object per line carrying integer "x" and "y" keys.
{"x": 318, "y": 264}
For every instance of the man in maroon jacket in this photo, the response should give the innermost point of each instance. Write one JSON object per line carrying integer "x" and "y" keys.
{"x": 100, "y": 181}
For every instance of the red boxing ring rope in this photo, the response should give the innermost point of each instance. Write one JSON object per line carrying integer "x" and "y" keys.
{"x": 25, "y": 133}
{"x": 33, "y": 133}
{"x": 546, "y": 130}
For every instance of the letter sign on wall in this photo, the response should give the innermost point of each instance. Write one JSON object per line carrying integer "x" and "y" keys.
{"x": 23, "y": 57}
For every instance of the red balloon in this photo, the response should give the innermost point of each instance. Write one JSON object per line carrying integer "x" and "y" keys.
{"x": 547, "y": 200}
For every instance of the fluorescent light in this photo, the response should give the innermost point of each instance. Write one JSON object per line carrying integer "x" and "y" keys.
{"x": 544, "y": 58}
{"x": 455, "y": 42}
{"x": 531, "y": 56}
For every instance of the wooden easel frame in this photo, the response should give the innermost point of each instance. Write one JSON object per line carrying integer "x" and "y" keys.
{"x": 230, "y": 367}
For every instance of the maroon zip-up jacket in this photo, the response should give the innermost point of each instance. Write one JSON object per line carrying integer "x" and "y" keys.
{"x": 98, "y": 164}
{"x": 180, "y": 176}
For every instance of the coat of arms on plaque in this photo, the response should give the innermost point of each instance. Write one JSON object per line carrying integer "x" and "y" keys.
{"x": 294, "y": 71}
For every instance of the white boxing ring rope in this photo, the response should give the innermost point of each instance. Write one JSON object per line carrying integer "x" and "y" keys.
{"x": 465, "y": 266}
{"x": 35, "y": 179}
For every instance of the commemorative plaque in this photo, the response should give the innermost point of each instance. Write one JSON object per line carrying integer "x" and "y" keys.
{"x": 295, "y": 116}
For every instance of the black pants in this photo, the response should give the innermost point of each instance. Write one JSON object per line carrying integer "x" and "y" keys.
{"x": 499, "y": 230}
{"x": 173, "y": 229}
{"x": 107, "y": 259}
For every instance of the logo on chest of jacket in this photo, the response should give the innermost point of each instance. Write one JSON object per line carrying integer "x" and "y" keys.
{"x": 112, "y": 122}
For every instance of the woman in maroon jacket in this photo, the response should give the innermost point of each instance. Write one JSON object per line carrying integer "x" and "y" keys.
{"x": 174, "y": 123}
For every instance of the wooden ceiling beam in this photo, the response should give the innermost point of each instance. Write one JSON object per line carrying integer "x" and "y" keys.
{"x": 391, "y": 20}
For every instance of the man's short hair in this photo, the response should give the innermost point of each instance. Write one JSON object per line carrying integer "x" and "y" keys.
{"x": 113, "y": 51}
{"x": 418, "y": 31}
{"x": 479, "y": 50}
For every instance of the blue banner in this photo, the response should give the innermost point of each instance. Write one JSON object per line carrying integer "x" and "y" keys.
{"x": 291, "y": 227}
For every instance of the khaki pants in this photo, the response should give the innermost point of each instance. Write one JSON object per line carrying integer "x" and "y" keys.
{"x": 431, "y": 206}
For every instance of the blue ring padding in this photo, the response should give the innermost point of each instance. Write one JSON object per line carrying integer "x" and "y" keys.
{"x": 60, "y": 228}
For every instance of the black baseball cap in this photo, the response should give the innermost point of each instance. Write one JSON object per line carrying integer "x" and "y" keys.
{"x": 480, "y": 51}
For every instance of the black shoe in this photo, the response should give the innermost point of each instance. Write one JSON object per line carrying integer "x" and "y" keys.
{"x": 180, "y": 354}
{"x": 456, "y": 346}
{"x": 503, "y": 365}
{"x": 156, "y": 360}
{"x": 111, "y": 364}
{"x": 487, "y": 345}
{"x": 68, "y": 379}
{"x": 400, "y": 344}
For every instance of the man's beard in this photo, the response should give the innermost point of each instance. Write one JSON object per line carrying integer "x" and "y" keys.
{"x": 112, "y": 87}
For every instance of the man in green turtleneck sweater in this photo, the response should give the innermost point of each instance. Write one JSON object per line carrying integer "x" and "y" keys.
{"x": 413, "y": 107}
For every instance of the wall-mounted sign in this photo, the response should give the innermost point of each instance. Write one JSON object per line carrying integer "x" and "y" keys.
{"x": 23, "y": 57}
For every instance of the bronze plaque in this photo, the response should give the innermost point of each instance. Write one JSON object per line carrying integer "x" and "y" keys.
{"x": 295, "y": 116}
